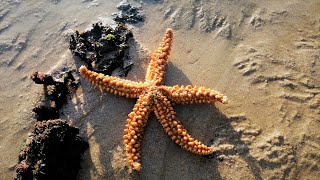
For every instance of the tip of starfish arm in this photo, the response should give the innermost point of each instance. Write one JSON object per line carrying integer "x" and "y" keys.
{"x": 82, "y": 69}
{"x": 224, "y": 100}
{"x": 169, "y": 31}
{"x": 136, "y": 166}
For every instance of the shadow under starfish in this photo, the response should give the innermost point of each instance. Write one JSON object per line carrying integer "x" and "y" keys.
{"x": 153, "y": 96}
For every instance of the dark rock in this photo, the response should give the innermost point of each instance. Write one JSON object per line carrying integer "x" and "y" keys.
{"x": 128, "y": 14}
{"x": 53, "y": 151}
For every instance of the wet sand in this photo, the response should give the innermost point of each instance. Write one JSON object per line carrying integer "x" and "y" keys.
{"x": 265, "y": 56}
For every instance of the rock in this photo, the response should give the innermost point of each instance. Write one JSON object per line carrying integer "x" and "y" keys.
{"x": 53, "y": 151}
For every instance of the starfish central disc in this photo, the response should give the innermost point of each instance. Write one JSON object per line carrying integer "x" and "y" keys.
{"x": 153, "y": 96}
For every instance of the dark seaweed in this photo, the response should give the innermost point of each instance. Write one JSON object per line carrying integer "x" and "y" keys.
{"x": 56, "y": 92}
{"x": 46, "y": 113}
{"x": 103, "y": 48}
{"x": 53, "y": 152}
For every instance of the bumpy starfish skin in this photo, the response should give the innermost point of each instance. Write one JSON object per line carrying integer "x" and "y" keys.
{"x": 167, "y": 117}
{"x": 159, "y": 59}
{"x": 152, "y": 96}
{"x": 190, "y": 94}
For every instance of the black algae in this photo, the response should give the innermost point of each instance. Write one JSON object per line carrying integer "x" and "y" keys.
{"x": 56, "y": 92}
{"x": 103, "y": 48}
{"x": 46, "y": 113}
{"x": 53, "y": 151}
{"x": 128, "y": 13}
{"x": 54, "y": 148}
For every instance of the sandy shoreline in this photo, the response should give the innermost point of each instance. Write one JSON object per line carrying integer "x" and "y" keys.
{"x": 265, "y": 56}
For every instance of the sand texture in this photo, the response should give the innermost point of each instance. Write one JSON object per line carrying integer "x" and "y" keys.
{"x": 264, "y": 55}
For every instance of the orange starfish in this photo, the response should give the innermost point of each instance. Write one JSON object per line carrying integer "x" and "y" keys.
{"x": 153, "y": 96}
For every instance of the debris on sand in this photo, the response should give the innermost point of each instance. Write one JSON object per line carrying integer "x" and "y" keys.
{"x": 53, "y": 151}
{"x": 56, "y": 92}
{"x": 128, "y": 13}
{"x": 54, "y": 148}
{"x": 103, "y": 48}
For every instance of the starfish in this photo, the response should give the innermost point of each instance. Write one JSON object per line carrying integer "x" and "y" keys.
{"x": 153, "y": 96}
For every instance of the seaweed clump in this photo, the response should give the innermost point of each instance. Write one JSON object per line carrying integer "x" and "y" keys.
{"x": 103, "y": 48}
{"x": 54, "y": 148}
{"x": 53, "y": 151}
{"x": 56, "y": 92}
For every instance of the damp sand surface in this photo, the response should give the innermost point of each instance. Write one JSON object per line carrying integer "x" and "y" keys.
{"x": 265, "y": 56}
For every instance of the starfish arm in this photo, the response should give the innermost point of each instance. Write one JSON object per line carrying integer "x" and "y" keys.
{"x": 159, "y": 59}
{"x": 134, "y": 129}
{"x": 167, "y": 117}
{"x": 190, "y": 94}
{"x": 113, "y": 85}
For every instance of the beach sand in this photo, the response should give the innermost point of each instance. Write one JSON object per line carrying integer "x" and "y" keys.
{"x": 264, "y": 55}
